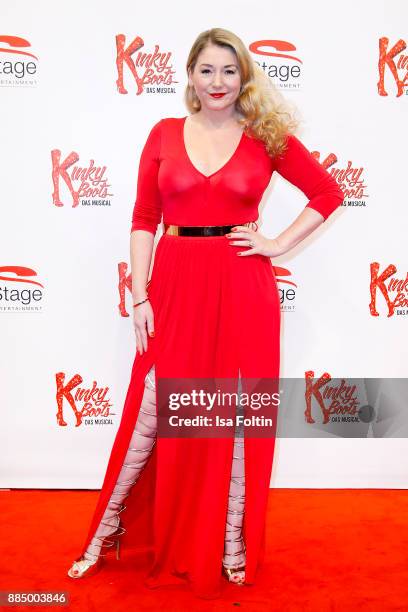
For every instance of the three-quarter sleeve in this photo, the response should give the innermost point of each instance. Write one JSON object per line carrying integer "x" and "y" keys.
{"x": 298, "y": 166}
{"x": 147, "y": 209}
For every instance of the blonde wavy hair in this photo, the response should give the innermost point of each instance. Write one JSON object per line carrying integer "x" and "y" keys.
{"x": 266, "y": 114}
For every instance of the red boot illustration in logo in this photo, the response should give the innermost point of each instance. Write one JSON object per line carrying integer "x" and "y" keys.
{"x": 65, "y": 391}
{"x": 379, "y": 282}
{"x": 314, "y": 389}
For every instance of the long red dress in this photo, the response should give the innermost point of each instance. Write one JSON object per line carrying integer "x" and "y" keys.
{"x": 216, "y": 314}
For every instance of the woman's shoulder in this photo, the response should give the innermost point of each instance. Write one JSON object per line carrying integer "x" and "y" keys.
{"x": 169, "y": 121}
{"x": 156, "y": 129}
{"x": 166, "y": 126}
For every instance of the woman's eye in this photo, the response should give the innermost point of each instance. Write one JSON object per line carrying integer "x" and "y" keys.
{"x": 205, "y": 70}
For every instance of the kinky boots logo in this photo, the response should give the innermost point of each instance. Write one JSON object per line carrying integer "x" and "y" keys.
{"x": 393, "y": 289}
{"x": 397, "y": 64}
{"x": 349, "y": 178}
{"x": 286, "y": 289}
{"x": 338, "y": 402}
{"x": 90, "y": 406}
{"x": 152, "y": 72}
{"x": 125, "y": 282}
{"x": 343, "y": 407}
{"x": 87, "y": 185}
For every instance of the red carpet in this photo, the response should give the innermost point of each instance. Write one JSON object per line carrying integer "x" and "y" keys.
{"x": 327, "y": 550}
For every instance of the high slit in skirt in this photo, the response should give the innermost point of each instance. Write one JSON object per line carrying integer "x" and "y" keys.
{"x": 216, "y": 314}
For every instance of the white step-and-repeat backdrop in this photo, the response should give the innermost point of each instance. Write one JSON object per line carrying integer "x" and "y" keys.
{"x": 75, "y": 113}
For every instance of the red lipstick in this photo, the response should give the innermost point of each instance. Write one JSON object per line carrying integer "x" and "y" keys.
{"x": 217, "y": 95}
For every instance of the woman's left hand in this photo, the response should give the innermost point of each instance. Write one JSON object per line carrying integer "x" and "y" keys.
{"x": 259, "y": 244}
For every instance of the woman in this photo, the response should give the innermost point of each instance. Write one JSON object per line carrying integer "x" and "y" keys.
{"x": 211, "y": 310}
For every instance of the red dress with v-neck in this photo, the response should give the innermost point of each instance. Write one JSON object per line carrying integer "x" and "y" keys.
{"x": 216, "y": 315}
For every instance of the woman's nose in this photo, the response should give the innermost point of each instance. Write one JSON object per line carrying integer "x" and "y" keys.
{"x": 217, "y": 80}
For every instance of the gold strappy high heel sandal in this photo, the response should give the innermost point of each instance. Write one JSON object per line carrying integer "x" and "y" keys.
{"x": 231, "y": 572}
{"x": 84, "y": 567}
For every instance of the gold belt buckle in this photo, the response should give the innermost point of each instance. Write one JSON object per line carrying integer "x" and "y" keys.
{"x": 171, "y": 230}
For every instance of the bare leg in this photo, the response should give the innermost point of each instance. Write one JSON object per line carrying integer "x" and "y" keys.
{"x": 139, "y": 451}
{"x": 234, "y": 548}
{"x": 141, "y": 445}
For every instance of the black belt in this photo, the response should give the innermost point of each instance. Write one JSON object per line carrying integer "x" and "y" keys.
{"x": 200, "y": 230}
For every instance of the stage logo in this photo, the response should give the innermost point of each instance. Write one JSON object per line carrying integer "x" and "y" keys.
{"x": 18, "y": 66}
{"x": 90, "y": 405}
{"x": 394, "y": 290}
{"x": 279, "y": 62}
{"x": 350, "y": 179}
{"x": 286, "y": 288}
{"x": 87, "y": 185}
{"x": 18, "y": 291}
{"x": 392, "y": 63}
{"x": 152, "y": 72}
